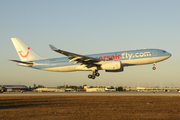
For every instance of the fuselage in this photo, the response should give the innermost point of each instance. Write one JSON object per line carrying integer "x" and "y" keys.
{"x": 127, "y": 58}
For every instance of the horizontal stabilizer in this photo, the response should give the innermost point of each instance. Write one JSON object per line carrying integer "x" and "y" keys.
{"x": 27, "y": 63}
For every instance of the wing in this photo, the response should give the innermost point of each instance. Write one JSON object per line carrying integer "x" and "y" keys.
{"x": 88, "y": 61}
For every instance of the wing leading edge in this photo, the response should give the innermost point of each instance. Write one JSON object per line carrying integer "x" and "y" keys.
{"x": 88, "y": 61}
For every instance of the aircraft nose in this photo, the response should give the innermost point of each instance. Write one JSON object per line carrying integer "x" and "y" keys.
{"x": 170, "y": 54}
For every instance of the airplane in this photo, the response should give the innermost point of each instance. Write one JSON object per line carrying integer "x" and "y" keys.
{"x": 5, "y": 88}
{"x": 110, "y": 62}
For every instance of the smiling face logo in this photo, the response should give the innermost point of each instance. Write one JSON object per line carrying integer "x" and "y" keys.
{"x": 24, "y": 56}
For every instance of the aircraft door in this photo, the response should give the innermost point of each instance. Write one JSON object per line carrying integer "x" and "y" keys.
{"x": 154, "y": 52}
{"x": 47, "y": 63}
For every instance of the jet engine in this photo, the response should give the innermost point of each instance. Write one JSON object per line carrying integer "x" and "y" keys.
{"x": 120, "y": 70}
{"x": 111, "y": 65}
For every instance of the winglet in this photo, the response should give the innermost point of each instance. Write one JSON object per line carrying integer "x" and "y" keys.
{"x": 52, "y": 47}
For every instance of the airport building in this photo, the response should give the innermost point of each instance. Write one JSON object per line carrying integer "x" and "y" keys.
{"x": 109, "y": 88}
{"x": 157, "y": 89}
{"x": 95, "y": 90}
{"x": 50, "y": 89}
{"x": 85, "y": 87}
{"x": 99, "y": 88}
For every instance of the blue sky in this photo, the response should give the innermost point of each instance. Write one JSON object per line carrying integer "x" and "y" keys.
{"x": 87, "y": 27}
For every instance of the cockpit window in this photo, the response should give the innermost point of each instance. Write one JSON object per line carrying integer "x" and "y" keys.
{"x": 163, "y": 51}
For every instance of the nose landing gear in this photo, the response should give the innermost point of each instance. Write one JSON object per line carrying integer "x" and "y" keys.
{"x": 93, "y": 75}
{"x": 154, "y": 68}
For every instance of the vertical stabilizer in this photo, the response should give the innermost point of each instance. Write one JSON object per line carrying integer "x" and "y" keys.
{"x": 25, "y": 52}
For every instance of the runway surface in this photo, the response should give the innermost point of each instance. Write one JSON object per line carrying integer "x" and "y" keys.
{"x": 91, "y": 94}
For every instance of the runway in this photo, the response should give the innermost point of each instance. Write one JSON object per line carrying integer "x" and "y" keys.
{"x": 91, "y": 94}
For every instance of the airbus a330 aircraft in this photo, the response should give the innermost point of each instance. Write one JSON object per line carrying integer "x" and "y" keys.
{"x": 110, "y": 62}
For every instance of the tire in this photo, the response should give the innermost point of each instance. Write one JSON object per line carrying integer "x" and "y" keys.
{"x": 89, "y": 76}
{"x": 97, "y": 74}
{"x": 93, "y": 77}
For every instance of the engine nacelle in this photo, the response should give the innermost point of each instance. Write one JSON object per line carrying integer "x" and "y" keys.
{"x": 120, "y": 70}
{"x": 111, "y": 65}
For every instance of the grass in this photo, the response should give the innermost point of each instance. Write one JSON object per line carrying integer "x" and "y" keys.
{"x": 89, "y": 107}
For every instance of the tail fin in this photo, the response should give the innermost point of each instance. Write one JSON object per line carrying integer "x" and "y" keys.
{"x": 25, "y": 52}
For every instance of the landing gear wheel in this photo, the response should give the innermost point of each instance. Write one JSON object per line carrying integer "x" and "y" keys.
{"x": 154, "y": 64}
{"x": 97, "y": 74}
{"x": 94, "y": 73}
{"x": 89, "y": 76}
{"x": 93, "y": 77}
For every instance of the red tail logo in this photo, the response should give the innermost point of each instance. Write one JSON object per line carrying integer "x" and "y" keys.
{"x": 24, "y": 56}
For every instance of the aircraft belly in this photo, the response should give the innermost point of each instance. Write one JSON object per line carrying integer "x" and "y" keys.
{"x": 60, "y": 69}
{"x": 82, "y": 68}
{"x": 144, "y": 60}
{"x": 67, "y": 68}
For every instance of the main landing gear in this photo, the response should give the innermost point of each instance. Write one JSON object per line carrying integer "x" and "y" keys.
{"x": 93, "y": 75}
{"x": 154, "y": 68}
